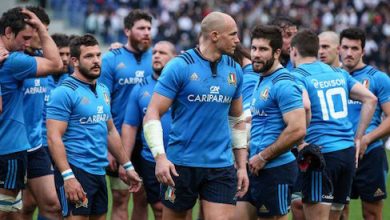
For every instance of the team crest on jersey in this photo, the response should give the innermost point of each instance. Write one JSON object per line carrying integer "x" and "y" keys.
{"x": 232, "y": 79}
{"x": 106, "y": 98}
{"x": 170, "y": 194}
{"x": 366, "y": 83}
{"x": 264, "y": 94}
{"x": 194, "y": 77}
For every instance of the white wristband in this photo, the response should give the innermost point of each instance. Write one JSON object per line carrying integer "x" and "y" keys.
{"x": 153, "y": 134}
{"x": 128, "y": 166}
{"x": 67, "y": 174}
{"x": 262, "y": 158}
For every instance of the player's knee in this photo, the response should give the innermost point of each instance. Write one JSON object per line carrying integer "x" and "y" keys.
{"x": 10, "y": 203}
{"x": 120, "y": 196}
{"x": 51, "y": 206}
{"x": 157, "y": 210}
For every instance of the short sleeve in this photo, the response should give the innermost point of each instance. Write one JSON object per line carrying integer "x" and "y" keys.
{"x": 171, "y": 79}
{"x": 350, "y": 80}
{"x": 288, "y": 96}
{"x": 60, "y": 104}
{"x": 22, "y": 66}
{"x": 299, "y": 80}
{"x": 383, "y": 87}
{"x": 239, "y": 76}
{"x": 133, "y": 114}
{"x": 107, "y": 76}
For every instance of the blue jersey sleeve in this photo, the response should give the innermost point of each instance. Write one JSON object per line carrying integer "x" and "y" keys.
{"x": 107, "y": 76}
{"x": 288, "y": 96}
{"x": 350, "y": 80}
{"x": 133, "y": 114}
{"x": 383, "y": 88}
{"x": 60, "y": 104}
{"x": 23, "y": 66}
{"x": 239, "y": 75}
{"x": 300, "y": 80}
{"x": 171, "y": 79}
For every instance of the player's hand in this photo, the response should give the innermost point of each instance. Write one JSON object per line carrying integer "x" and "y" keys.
{"x": 74, "y": 191}
{"x": 256, "y": 164}
{"x": 3, "y": 54}
{"x": 164, "y": 168}
{"x": 242, "y": 182}
{"x": 33, "y": 20}
{"x": 112, "y": 165}
{"x": 363, "y": 143}
{"x": 133, "y": 180}
{"x": 115, "y": 45}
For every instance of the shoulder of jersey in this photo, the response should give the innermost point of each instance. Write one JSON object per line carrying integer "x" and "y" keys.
{"x": 230, "y": 61}
{"x": 102, "y": 85}
{"x": 374, "y": 71}
{"x": 283, "y": 76}
{"x": 116, "y": 52}
{"x": 144, "y": 82}
{"x": 69, "y": 84}
{"x": 187, "y": 57}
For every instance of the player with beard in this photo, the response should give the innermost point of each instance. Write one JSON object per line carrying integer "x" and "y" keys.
{"x": 122, "y": 69}
{"x": 139, "y": 99}
{"x": 289, "y": 29}
{"x": 17, "y": 29}
{"x": 278, "y": 122}
{"x": 79, "y": 129}
{"x": 369, "y": 182}
{"x": 328, "y": 89}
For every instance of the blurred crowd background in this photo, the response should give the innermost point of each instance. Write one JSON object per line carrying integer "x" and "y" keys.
{"x": 179, "y": 20}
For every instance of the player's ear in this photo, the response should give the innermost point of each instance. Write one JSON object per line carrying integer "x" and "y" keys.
{"x": 8, "y": 32}
{"x": 277, "y": 53}
{"x": 75, "y": 61}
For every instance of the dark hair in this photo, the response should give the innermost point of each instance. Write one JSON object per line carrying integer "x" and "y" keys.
{"x": 136, "y": 15}
{"x": 40, "y": 13}
{"x": 13, "y": 18}
{"x": 354, "y": 34}
{"x": 61, "y": 40}
{"x": 283, "y": 22}
{"x": 240, "y": 53}
{"x": 306, "y": 42}
{"x": 77, "y": 42}
{"x": 269, "y": 32}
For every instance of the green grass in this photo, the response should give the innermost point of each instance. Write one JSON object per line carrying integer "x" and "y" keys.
{"x": 354, "y": 214}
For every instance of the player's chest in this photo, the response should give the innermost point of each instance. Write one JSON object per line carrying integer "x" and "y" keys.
{"x": 92, "y": 108}
{"x": 35, "y": 86}
{"x": 132, "y": 74}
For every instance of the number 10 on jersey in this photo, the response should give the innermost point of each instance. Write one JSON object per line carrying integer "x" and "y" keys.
{"x": 328, "y": 104}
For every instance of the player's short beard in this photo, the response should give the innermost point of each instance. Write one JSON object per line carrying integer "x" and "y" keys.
{"x": 87, "y": 74}
{"x": 157, "y": 70}
{"x": 267, "y": 65}
{"x": 138, "y": 45}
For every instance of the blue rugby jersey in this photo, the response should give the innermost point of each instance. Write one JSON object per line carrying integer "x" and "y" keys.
{"x": 121, "y": 71}
{"x": 14, "y": 70}
{"x": 136, "y": 109}
{"x": 53, "y": 81}
{"x": 328, "y": 88}
{"x": 274, "y": 95}
{"x": 34, "y": 90}
{"x": 200, "y": 134}
{"x": 86, "y": 110}
{"x": 379, "y": 84}
{"x": 248, "y": 85}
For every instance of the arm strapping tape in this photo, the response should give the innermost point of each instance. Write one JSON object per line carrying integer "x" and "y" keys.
{"x": 154, "y": 137}
{"x": 239, "y": 137}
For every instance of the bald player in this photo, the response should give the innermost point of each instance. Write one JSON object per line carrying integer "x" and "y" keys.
{"x": 329, "y": 48}
{"x": 203, "y": 86}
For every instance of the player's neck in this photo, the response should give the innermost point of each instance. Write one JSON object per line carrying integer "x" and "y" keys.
{"x": 336, "y": 63}
{"x": 209, "y": 52}
{"x": 76, "y": 74}
{"x": 304, "y": 60}
{"x": 274, "y": 67}
{"x": 360, "y": 65}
